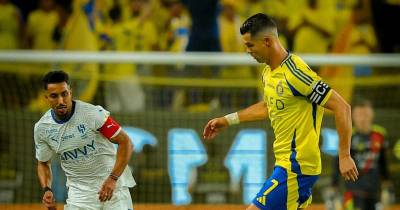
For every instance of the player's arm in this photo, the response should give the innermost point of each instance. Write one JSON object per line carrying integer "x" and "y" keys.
{"x": 114, "y": 133}
{"x": 44, "y": 174}
{"x": 124, "y": 152}
{"x": 255, "y": 112}
{"x": 44, "y": 154}
{"x": 45, "y": 177}
{"x": 342, "y": 112}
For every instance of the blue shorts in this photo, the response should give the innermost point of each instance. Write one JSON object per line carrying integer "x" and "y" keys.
{"x": 285, "y": 190}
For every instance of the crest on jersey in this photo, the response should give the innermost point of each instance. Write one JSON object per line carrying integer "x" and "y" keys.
{"x": 81, "y": 128}
{"x": 279, "y": 88}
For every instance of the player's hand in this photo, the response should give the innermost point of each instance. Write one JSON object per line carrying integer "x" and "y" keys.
{"x": 107, "y": 189}
{"x": 213, "y": 127}
{"x": 348, "y": 168}
{"x": 49, "y": 201}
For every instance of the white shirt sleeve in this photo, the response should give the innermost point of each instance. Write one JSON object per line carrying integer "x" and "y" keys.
{"x": 100, "y": 116}
{"x": 43, "y": 151}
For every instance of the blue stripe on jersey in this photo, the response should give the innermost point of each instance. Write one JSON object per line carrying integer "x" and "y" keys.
{"x": 314, "y": 113}
{"x": 296, "y": 74}
{"x": 287, "y": 57}
{"x": 295, "y": 164}
{"x": 300, "y": 72}
{"x": 294, "y": 91}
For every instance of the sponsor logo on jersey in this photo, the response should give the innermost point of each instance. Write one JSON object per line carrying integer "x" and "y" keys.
{"x": 66, "y": 137}
{"x": 279, "y": 88}
{"x": 50, "y": 131}
{"x": 79, "y": 152}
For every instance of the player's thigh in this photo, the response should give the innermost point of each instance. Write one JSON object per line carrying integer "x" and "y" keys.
{"x": 299, "y": 192}
{"x": 121, "y": 200}
{"x": 285, "y": 190}
{"x": 274, "y": 193}
{"x": 79, "y": 200}
{"x": 304, "y": 184}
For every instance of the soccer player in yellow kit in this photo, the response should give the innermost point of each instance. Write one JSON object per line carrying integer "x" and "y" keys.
{"x": 294, "y": 100}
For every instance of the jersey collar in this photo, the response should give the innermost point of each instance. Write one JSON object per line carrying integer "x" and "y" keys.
{"x": 287, "y": 57}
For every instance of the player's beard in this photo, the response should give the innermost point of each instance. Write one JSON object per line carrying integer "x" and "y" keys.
{"x": 61, "y": 111}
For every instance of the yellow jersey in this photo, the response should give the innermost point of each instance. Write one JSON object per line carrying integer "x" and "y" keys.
{"x": 79, "y": 33}
{"x": 308, "y": 39}
{"x": 144, "y": 34}
{"x": 9, "y": 26}
{"x": 121, "y": 41}
{"x": 294, "y": 95}
{"x": 40, "y": 26}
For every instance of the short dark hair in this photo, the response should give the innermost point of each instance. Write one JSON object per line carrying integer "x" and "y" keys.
{"x": 257, "y": 23}
{"x": 55, "y": 77}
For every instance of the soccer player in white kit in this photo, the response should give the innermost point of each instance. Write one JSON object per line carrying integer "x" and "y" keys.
{"x": 83, "y": 136}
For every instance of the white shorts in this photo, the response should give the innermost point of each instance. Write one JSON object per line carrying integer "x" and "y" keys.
{"x": 121, "y": 200}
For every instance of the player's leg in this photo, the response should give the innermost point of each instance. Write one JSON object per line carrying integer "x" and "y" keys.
{"x": 79, "y": 200}
{"x": 284, "y": 190}
{"x": 305, "y": 184}
{"x": 274, "y": 194}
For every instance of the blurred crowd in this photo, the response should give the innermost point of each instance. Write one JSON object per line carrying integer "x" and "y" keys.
{"x": 306, "y": 26}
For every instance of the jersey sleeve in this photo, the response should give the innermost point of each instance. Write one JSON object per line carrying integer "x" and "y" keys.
{"x": 42, "y": 149}
{"x": 104, "y": 123}
{"x": 305, "y": 82}
{"x": 100, "y": 116}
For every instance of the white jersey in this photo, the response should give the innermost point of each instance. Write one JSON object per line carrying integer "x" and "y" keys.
{"x": 87, "y": 157}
